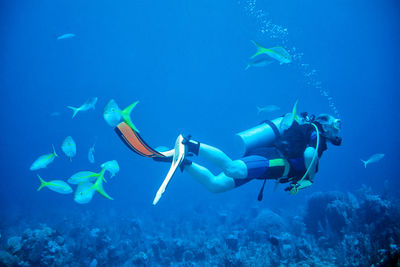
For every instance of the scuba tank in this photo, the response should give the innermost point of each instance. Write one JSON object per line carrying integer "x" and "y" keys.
{"x": 262, "y": 135}
{"x": 265, "y": 134}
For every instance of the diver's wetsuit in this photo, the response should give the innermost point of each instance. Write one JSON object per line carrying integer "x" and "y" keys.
{"x": 290, "y": 146}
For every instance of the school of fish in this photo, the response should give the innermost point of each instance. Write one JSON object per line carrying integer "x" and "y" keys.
{"x": 87, "y": 182}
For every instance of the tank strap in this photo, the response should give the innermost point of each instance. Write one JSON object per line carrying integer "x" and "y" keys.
{"x": 274, "y": 128}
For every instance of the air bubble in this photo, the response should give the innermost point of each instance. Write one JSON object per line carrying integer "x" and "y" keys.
{"x": 281, "y": 35}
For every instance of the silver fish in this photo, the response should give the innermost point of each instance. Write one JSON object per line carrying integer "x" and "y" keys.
{"x": 91, "y": 154}
{"x": 66, "y": 36}
{"x": 69, "y": 147}
{"x": 89, "y": 104}
{"x": 259, "y": 63}
{"x": 55, "y": 113}
{"x": 374, "y": 158}
{"x": 268, "y": 108}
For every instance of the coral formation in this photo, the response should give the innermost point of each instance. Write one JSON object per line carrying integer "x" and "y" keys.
{"x": 334, "y": 229}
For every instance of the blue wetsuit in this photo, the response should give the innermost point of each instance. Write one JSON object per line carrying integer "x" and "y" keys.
{"x": 291, "y": 146}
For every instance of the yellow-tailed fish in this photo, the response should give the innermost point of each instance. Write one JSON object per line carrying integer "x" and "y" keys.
{"x": 55, "y": 185}
{"x": 111, "y": 166}
{"x": 113, "y": 114}
{"x": 259, "y": 63}
{"x": 43, "y": 161}
{"x": 289, "y": 118}
{"x": 84, "y": 192}
{"x": 69, "y": 147}
{"x": 98, "y": 185}
{"x": 89, "y": 104}
{"x": 83, "y": 176}
{"x": 278, "y": 53}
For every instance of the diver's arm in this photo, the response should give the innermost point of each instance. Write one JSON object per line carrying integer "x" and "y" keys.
{"x": 294, "y": 188}
{"x": 308, "y": 157}
{"x": 308, "y": 180}
{"x": 304, "y": 184}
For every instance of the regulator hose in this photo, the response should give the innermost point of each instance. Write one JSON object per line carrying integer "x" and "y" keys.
{"x": 315, "y": 154}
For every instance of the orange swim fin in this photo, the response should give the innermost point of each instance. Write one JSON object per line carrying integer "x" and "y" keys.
{"x": 135, "y": 142}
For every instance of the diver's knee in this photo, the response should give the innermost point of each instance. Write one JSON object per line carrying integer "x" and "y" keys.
{"x": 220, "y": 187}
{"x": 236, "y": 169}
{"x": 309, "y": 153}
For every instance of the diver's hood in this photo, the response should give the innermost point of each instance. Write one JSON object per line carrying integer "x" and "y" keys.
{"x": 331, "y": 128}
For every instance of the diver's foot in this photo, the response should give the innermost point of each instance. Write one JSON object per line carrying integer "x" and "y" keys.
{"x": 191, "y": 148}
{"x": 191, "y": 145}
{"x": 185, "y": 162}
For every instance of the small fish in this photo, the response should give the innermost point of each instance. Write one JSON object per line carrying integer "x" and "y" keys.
{"x": 69, "y": 147}
{"x": 55, "y": 114}
{"x": 278, "y": 53}
{"x": 268, "y": 108}
{"x": 98, "y": 185}
{"x": 89, "y": 104}
{"x": 84, "y": 192}
{"x": 289, "y": 118}
{"x": 43, "y": 161}
{"x": 55, "y": 185}
{"x": 91, "y": 154}
{"x": 374, "y": 158}
{"x": 113, "y": 114}
{"x": 66, "y": 36}
{"x": 259, "y": 63}
{"x": 111, "y": 166}
{"x": 84, "y": 176}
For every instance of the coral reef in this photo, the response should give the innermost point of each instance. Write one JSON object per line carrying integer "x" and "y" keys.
{"x": 334, "y": 229}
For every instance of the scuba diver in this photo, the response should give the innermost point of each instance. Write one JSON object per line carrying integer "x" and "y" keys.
{"x": 291, "y": 158}
{"x": 286, "y": 149}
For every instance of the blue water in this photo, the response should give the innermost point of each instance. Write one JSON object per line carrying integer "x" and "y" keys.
{"x": 184, "y": 61}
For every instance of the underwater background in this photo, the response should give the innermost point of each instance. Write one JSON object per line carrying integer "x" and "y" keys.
{"x": 184, "y": 61}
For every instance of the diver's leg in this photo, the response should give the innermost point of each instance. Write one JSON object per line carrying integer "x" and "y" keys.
{"x": 215, "y": 184}
{"x": 232, "y": 168}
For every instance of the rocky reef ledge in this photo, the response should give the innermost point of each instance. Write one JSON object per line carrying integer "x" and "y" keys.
{"x": 333, "y": 229}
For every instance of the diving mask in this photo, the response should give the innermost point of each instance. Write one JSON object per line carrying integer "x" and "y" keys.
{"x": 337, "y": 124}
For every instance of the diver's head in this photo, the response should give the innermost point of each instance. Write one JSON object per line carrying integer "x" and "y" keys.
{"x": 331, "y": 128}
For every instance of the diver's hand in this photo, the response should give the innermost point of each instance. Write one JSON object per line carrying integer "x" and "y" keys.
{"x": 293, "y": 188}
